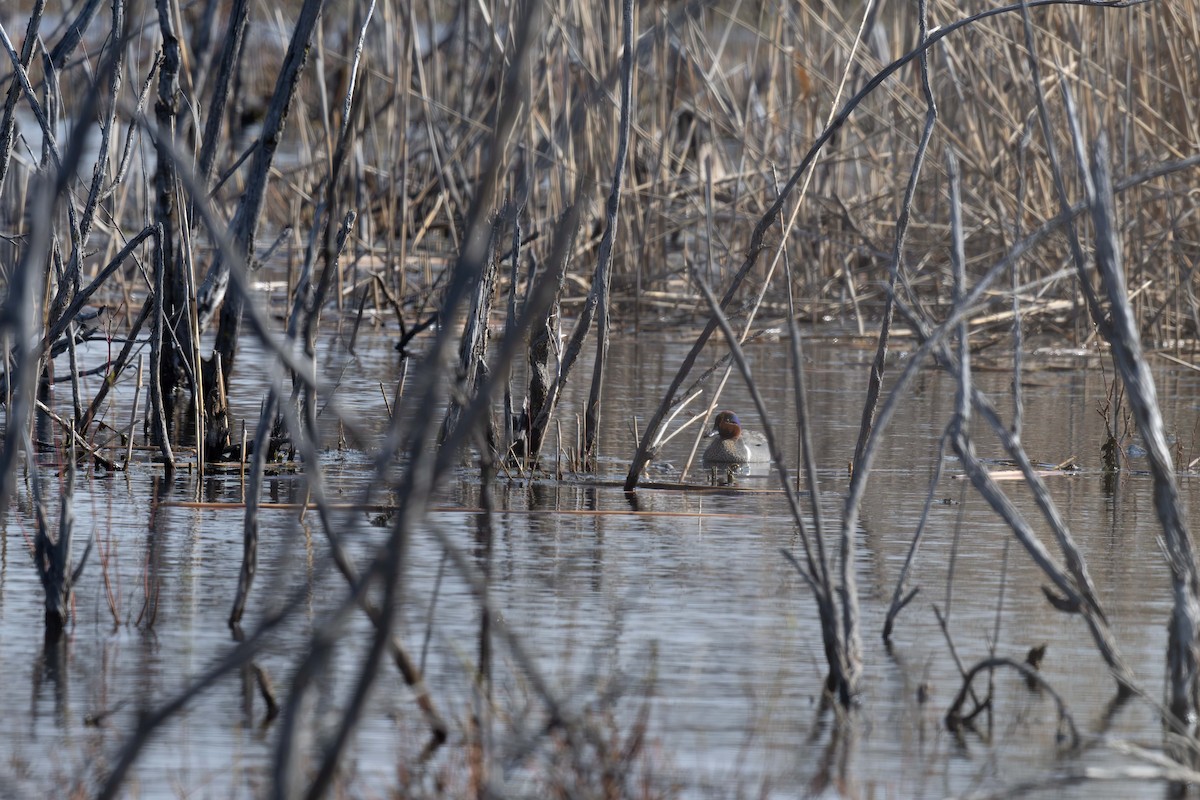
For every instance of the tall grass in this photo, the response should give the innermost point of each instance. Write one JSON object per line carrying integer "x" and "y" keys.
{"x": 732, "y": 92}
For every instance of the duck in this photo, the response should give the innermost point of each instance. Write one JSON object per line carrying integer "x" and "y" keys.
{"x": 735, "y": 445}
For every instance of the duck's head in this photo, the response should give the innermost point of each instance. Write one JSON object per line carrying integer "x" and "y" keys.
{"x": 727, "y": 426}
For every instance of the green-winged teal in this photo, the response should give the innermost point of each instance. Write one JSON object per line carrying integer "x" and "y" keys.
{"x": 735, "y": 445}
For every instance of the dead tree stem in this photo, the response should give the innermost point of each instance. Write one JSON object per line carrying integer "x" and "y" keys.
{"x": 843, "y": 675}
{"x": 232, "y": 45}
{"x": 8, "y": 123}
{"x": 170, "y": 369}
{"x": 1072, "y": 581}
{"x": 954, "y": 717}
{"x": 243, "y": 229}
{"x": 603, "y": 276}
{"x": 1121, "y": 331}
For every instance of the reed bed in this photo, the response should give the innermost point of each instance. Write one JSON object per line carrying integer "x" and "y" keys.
{"x": 724, "y": 99}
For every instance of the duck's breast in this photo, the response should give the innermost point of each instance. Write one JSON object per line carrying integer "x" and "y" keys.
{"x": 725, "y": 451}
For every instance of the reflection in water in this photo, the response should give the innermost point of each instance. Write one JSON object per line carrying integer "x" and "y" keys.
{"x": 670, "y": 608}
{"x": 51, "y": 669}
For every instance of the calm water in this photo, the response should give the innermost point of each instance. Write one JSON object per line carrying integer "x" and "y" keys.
{"x": 679, "y": 600}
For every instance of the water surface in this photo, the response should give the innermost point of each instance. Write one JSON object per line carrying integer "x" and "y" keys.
{"x": 678, "y": 602}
